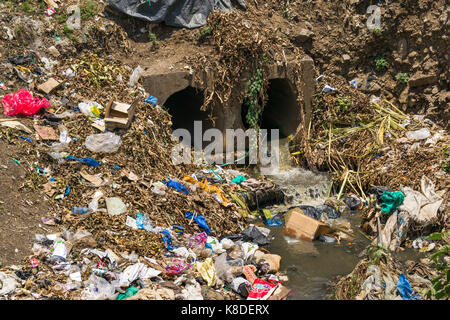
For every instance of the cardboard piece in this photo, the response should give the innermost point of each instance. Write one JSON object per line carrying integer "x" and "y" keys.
{"x": 46, "y": 133}
{"x": 301, "y": 226}
{"x": 280, "y": 293}
{"x": 119, "y": 115}
{"x": 49, "y": 86}
{"x": 96, "y": 181}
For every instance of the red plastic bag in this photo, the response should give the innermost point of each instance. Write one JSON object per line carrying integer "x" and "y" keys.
{"x": 261, "y": 290}
{"x": 23, "y": 102}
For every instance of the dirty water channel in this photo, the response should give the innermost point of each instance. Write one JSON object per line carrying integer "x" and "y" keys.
{"x": 310, "y": 266}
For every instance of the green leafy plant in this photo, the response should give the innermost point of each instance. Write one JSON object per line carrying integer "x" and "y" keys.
{"x": 441, "y": 284}
{"x": 376, "y": 32}
{"x": 254, "y": 109}
{"x": 377, "y": 253}
{"x": 88, "y": 9}
{"x": 380, "y": 63}
{"x": 205, "y": 32}
{"x": 68, "y": 30}
{"x": 27, "y": 6}
{"x": 343, "y": 103}
{"x": 402, "y": 78}
{"x": 152, "y": 37}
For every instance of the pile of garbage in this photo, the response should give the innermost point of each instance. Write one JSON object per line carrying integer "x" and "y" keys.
{"x": 382, "y": 277}
{"x": 69, "y": 265}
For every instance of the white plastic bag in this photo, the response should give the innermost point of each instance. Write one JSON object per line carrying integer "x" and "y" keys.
{"x": 134, "y": 78}
{"x": 98, "y": 288}
{"x": 107, "y": 142}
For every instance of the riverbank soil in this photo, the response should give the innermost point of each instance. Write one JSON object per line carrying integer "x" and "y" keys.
{"x": 78, "y": 221}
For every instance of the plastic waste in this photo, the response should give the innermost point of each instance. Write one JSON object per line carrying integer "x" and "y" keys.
{"x": 23, "y": 102}
{"x": 131, "y": 291}
{"x": 266, "y": 216}
{"x": 197, "y": 240}
{"x": 177, "y": 186}
{"x": 97, "y": 288}
{"x": 80, "y": 210}
{"x": 223, "y": 269}
{"x": 241, "y": 286}
{"x": 391, "y": 200}
{"x": 373, "y": 281}
{"x": 143, "y": 222}
{"x": 261, "y": 290}
{"x": 107, "y": 142}
{"x": 249, "y": 272}
{"x": 167, "y": 239}
{"x": 7, "y": 284}
{"x": 134, "y": 78}
{"x": 252, "y": 234}
{"x": 238, "y": 179}
{"x": 87, "y": 161}
{"x": 327, "y": 239}
{"x": 59, "y": 250}
{"x": 137, "y": 271}
{"x": 21, "y": 59}
{"x": 152, "y": 100}
{"x": 378, "y": 191}
{"x": 353, "y": 203}
{"x": 69, "y": 73}
{"x": 91, "y": 109}
{"x": 159, "y": 188}
{"x": 200, "y": 220}
{"x": 328, "y": 88}
{"x": 176, "y": 267}
{"x": 207, "y": 271}
{"x": 248, "y": 249}
{"x": 417, "y": 135}
{"x": 404, "y": 289}
{"x": 192, "y": 292}
{"x": 187, "y": 254}
{"x": 115, "y": 206}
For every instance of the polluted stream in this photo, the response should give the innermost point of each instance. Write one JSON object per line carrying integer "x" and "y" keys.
{"x": 310, "y": 265}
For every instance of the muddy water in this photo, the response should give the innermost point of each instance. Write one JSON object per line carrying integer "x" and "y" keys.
{"x": 310, "y": 266}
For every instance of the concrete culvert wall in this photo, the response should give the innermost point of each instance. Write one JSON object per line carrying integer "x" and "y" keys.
{"x": 282, "y": 109}
{"x": 184, "y": 106}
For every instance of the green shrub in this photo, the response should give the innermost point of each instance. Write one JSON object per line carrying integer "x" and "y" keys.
{"x": 380, "y": 63}
{"x": 402, "y": 78}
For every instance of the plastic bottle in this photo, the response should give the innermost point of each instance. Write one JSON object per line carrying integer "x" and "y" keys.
{"x": 80, "y": 210}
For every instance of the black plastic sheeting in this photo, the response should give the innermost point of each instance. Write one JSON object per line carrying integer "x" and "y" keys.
{"x": 250, "y": 234}
{"x": 316, "y": 212}
{"x": 177, "y": 13}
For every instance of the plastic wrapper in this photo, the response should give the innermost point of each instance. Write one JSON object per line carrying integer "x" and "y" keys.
{"x": 261, "y": 290}
{"x": 103, "y": 142}
{"x": 23, "y": 102}
{"x": 207, "y": 271}
{"x": 134, "y": 78}
{"x": 98, "y": 288}
{"x": 223, "y": 269}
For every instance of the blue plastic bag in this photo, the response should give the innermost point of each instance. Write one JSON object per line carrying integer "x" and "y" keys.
{"x": 200, "y": 220}
{"x": 167, "y": 239}
{"x": 88, "y": 161}
{"x": 177, "y": 186}
{"x": 152, "y": 100}
{"x": 404, "y": 289}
